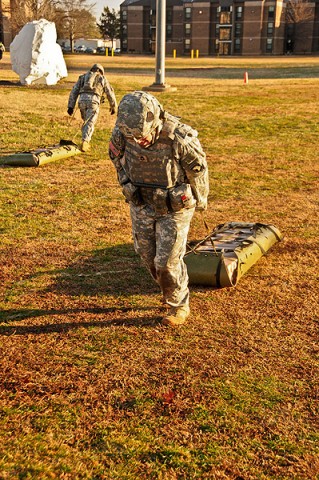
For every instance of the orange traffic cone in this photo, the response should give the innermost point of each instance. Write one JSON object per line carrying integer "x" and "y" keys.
{"x": 245, "y": 78}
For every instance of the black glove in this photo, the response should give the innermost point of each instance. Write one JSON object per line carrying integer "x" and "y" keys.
{"x": 70, "y": 111}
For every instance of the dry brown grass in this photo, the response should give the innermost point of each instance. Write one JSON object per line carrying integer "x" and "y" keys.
{"x": 92, "y": 386}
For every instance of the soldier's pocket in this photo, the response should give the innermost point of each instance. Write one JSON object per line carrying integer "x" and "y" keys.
{"x": 132, "y": 194}
{"x": 160, "y": 201}
{"x": 181, "y": 197}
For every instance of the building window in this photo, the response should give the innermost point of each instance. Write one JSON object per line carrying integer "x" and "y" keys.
{"x": 224, "y": 15}
{"x": 269, "y": 45}
{"x": 169, "y": 31}
{"x": 239, "y": 13}
{"x": 169, "y": 15}
{"x": 152, "y": 18}
{"x": 270, "y": 29}
{"x": 271, "y": 12}
{"x": 187, "y": 28}
{"x": 238, "y": 29}
{"x": 124, "y": 29}
{"x": 237, "y": 45}
{"x": 225, "y": 34}
{"x": 187, "y": 44}
{"x": 290, "y": 38}
{"x": 124, "y": 15}
{"x": 188, "y": 13}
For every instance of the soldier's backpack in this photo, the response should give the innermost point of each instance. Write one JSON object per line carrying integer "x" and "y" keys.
{"x": 92, "y": 83}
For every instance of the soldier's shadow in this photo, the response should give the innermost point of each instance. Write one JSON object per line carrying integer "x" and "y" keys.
{"x": 116, "y": 271}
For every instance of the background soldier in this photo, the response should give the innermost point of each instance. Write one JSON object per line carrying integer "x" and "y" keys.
{"x": 2, "y": 50}
{"x": 90, "y": 88}
{"x": 163, "y": 172}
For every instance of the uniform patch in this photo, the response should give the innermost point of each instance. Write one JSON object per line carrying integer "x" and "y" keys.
{"x": 114, "y": 149}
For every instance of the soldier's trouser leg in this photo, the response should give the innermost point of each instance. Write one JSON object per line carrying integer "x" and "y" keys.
{"x": 161, "y": 243}
{"x": 89, "y": 113}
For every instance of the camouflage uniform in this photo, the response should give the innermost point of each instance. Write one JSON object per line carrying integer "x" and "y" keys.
{"x": 160, "y": 240}
{"x": 90, "y": 91}
{"x": 163, "y": 182}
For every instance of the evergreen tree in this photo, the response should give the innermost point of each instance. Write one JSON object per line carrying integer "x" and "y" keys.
{"x": 109, "y": 25}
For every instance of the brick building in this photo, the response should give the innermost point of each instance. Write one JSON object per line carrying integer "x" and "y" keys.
{"x": 5, "y": 23}
{"x": 12, "y": 12}
{"x": 222, "y": 27}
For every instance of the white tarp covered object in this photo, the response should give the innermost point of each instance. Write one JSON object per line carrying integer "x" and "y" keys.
{"x": 36, "y": 56}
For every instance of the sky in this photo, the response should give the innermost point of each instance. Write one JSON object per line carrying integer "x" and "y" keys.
{"x": 100, "y": 4}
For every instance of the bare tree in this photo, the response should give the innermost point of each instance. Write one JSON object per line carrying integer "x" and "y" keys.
{"x": 298, "y": 11}
{"x": 24, "y": 11}
{"x": 75, "y": 20}
{"x": 299, "y": 14}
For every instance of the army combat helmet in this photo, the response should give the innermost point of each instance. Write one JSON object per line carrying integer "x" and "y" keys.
{"x": 139, "y": 114}
{"x": 97, "y": 67}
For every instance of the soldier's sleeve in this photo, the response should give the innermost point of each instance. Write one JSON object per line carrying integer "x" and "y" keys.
{"x": 75, "y": 93}
{"x": 192, "y": 158}
{"x": 109, "y": 92}
{"x": 116, "y": 153}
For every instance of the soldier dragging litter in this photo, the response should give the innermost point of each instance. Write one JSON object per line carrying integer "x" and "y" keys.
{"x": 91, "y": 88}
{"x": 163, "y": 172}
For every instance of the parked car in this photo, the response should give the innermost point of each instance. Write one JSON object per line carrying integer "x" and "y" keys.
{"x": 80, "y": 49}
{"x": 90, "y": 50}
{"x": 101, "y": 50}
{"x": 66, "y": 49}
{"x": 104, "y": 50}
{"x": 117, "y": 51}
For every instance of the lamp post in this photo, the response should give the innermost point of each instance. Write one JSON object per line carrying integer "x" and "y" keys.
{"x": 159, "y": 85}
{"x": 160, "y": 42}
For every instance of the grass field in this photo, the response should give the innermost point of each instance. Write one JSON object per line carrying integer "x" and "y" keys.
{"x": 92, "y": 386}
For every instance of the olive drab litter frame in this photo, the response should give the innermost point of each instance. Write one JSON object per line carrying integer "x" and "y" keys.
{"x": 41, "y": 156}
{"x": 228, "y": 252}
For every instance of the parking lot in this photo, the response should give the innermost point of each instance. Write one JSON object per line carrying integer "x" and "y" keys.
{"x": 91, "y": 50}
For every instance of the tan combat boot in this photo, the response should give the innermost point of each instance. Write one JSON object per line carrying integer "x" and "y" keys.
{"x": 176, "y": 316}
{"x": 85, "y": 146}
